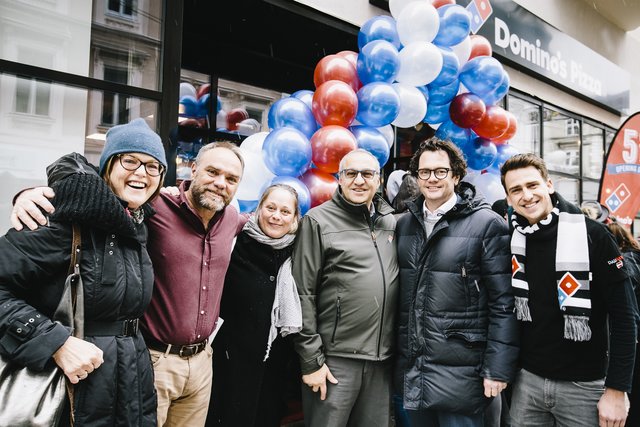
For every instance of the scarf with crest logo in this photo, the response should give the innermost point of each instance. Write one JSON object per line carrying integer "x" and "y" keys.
{"x": 567, "y": 225}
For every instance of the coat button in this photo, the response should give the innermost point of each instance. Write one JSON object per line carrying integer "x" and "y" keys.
{"x": 272, "y": 278}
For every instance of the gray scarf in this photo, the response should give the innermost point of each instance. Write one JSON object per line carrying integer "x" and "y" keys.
{"x": 286, "y": 312}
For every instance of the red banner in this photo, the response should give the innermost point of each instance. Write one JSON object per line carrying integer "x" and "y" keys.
{"x": 620, "y": 183}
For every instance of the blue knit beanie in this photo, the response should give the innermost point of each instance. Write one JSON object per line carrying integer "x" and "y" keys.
{"x": 134, "y": 137}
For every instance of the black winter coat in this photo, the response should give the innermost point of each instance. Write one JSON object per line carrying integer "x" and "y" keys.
{"x": 248, "y": 391}
{"x": 117, "y": 278}
{"x": 456, "y": 323}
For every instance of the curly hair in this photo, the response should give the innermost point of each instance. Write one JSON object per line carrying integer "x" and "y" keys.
{"x": 456, "y": 158}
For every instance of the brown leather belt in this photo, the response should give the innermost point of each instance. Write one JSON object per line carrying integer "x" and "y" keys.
{"x": 187, "y": 350}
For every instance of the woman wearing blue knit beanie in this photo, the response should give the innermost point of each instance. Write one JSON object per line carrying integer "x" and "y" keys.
{"x": 109, "y": 367}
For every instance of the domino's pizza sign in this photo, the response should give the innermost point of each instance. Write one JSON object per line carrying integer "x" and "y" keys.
{"x": 620, "y": 183}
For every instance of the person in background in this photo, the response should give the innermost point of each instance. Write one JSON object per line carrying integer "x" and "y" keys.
{"x": 457, "y": 335}
{"x": 575, "y": 305}
{"x": 394, "y": 180}
{"x": 190, "y": 241}
{"x": 110, "y": 367}
{"x": 346, "y": 270}
{"x": 631, "y": 252}
{"x": 252, "y": 363}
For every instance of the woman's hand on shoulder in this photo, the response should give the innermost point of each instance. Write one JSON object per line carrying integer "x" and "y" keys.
{"x": 78, "y": 358}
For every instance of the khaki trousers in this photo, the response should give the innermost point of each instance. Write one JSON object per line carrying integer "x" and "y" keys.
{"x": 183, "y": 386}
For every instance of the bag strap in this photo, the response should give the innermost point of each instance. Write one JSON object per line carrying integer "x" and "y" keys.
{"x": 77, "y": 304}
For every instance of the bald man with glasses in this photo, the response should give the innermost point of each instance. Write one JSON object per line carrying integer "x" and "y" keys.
{"x": 346, "y": 270}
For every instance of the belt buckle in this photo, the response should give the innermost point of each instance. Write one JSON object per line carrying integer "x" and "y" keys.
{"x": 131, "y": 327}
{"x": 188, "y": 348}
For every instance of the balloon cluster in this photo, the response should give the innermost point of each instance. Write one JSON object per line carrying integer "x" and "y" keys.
{"x": 194, "y": 112}
{"x": 419, "y": 65}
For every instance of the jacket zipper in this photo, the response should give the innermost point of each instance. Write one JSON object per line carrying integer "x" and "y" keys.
{"x": 384, "y": 290}
{"x": 467, "y": 294}
{"x": 338, "y": 316}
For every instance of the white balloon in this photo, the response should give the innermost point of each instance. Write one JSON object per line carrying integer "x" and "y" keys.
{"x": 254, "y": 142}
{"x": 221, "y": 120}
{"x": 248, "y": 127}
{"x": 388, "y": 133}
{"x": 463, "y": 50}
{"x": 462, "y": 89}
{"x": 396, "y": 6}
{"x": 413, "y": 106}
{"x": 254, "y": 176}
{"x": 418, "y": 21}
{"x": 420, "y": 64}
{"x": 187, "y": 89}
{"x": 434, "y": 126}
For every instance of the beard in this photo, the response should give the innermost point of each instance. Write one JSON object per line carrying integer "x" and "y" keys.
{"x": 201, "y": 196}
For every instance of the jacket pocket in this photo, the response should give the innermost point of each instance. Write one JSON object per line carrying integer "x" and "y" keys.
{"x": 335, "y": 324}
{"x": 468, "y": 339}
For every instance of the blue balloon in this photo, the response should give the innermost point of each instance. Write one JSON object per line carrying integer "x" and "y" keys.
{"x": 437, "y": 113}
{"x": 293, "y": 113}
{"x": 450, "y": 68}
{"x": 203, "y": 105}
{"x": 304, "y": 196}
{"x": 378, "y": 61}
{"x": 443, "y": 94}
{"x": 378, "y": 104}
{"x": 480, "y": 153}
{"x": 493, "y": 97}
{"x": 452, "y": 132}
{"x": 372, "y": 140}
{"x": 219, "y": 106}
{"x": 481, "y": 75}
{"x": 455, "y": 22}
{"x": 505, "y": 152}
{"x": 189, "y": 107}
{"x": 305, "y": 96}
{"x": 379, "y": 28}
{"x": 287, "y": 151}
{"x": 247, "y": 206}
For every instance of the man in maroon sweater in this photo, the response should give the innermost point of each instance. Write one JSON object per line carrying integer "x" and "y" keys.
{"x": 190, "y": 239}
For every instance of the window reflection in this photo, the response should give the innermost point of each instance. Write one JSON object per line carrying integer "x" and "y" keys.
{"x": 527, "y": 138}
{"x": 561, "y": 142}
{"x": 592, "y": 151}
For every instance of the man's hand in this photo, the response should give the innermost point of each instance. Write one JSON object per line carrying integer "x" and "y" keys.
{"x": 27, "y": 208}
{"x": 78, "y": 358}
{"x": 613, "y": 408}
{"x": 493, "y": 388}
{"x": 318, "y": 380}
{"x": 172, "y": 191}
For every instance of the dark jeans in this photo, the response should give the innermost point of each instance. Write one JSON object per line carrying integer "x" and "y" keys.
{"x": 426, "y": 418}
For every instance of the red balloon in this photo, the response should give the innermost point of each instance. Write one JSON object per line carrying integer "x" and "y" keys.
{"x": 329, "y": 145}
{"x": 480, "y": 46}
{"x": 334, "y": 67}
{"x": 512, "y": 128}
{"x": 350, "y": 56}
{"x": 334, "y": 103}
{"x": 204, "y": 89}
{"x": 235, "y": 116}
{"x": 494, "y": 123}
{"x": 438, "y": 3}
{"x": 321, "y": 185}
{"x": 466, "y": 110}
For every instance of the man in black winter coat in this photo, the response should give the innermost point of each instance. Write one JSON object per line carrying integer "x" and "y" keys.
{"x": 457, "y": 337}
{"x": 575, "y": 305}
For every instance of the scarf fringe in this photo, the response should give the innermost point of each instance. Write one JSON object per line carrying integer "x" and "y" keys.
{"x": 577, "y": 328}
{"x": 522, "y": 309}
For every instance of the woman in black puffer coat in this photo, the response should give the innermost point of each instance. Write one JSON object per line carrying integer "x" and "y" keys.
{"x": 110, "y": 367}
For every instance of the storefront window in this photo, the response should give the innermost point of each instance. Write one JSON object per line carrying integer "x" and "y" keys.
{"x": 527, "y": 138}
{"x": 561, "y": 142}
{"x": 592, "y": 151}
{"x": 85, "y": 38}
{"x": 30, "y": 138}
{"x": 567, "y": 187}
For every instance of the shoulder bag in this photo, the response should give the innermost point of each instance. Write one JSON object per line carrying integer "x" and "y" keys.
{"x": 30, "y": 398}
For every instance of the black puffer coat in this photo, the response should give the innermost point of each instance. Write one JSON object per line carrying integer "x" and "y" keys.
{"x": 456, "y": 323}
{"x": 117, "y": 277}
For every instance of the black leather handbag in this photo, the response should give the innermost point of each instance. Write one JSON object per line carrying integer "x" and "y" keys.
{"x": 31, "y": 398}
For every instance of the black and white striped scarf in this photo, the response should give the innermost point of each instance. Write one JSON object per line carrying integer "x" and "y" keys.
{"x": 572, "y": 266}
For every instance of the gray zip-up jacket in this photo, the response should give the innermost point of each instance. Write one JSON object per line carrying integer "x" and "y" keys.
{"x": 346, "y": 270}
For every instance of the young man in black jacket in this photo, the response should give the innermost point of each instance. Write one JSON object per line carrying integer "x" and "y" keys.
{"x": 457, "y": 334}
{"x": 575, "y": 305}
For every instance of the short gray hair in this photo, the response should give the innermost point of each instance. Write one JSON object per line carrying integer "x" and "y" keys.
{"x": 221, "y": 144}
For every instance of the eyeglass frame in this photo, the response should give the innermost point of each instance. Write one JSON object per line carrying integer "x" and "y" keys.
{"x": 141, "y": 163}
{"x": 433, "y": 171}
{"x": 359, "y": 172}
